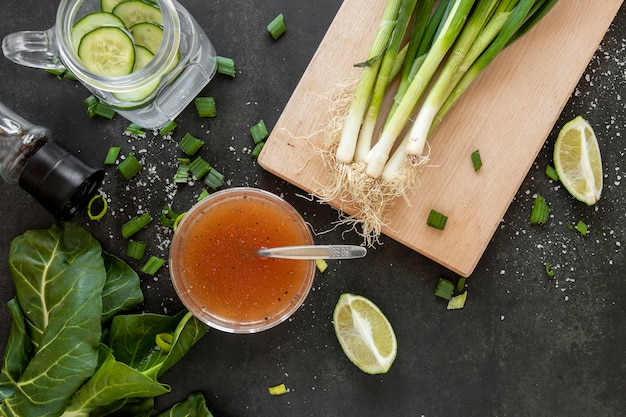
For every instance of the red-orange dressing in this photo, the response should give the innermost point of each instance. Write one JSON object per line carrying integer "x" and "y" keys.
{"x": 222, "y": 270}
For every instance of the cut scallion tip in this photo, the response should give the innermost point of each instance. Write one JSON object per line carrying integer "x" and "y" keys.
{"x": 152, "y": 266}
{"x": 90, "y": 212}
{"x": 203, "y": 194}
{"x": 540, "y": 211}
{"x": 214, "y": 179}
{"x": 136, "y": 249}
{"x": 168, "y": 216}
{"x": 476, "y": 160}
{"x": 460, "y": 284}
{"x": 257, "y": 149}
{"x": 96, "y": 107}
{"x": 436, "y": 220}
{"x": 130, "y": 166}
{"x": 179, "y": 218}
{"x": 551, "y": 173}
{"x": 135, "y": 224}
{"x": 135, "y": 130}
{"x": 112, "y": 154}
{"x": 182, "y": 172}
{"x": 259, "y": 132}
{"x": 226, "y": 66}
{"x": 444, "y": 289}
{"x": 205, "y": 106}
{"x": 168, "y": 128}
{"x": 277, "y": 27}
{"x": 190, "y": 144}
{"x": 199, "y": 168}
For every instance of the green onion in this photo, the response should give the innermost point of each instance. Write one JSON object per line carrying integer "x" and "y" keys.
{"x": 460, "y": 284}
{"x": 136, "y": 249}
{"x": 152, "y": 266}
{"x": 321, "y": 265}
{"x": 130, "y": 166}
{"x": 135, "y": 129}
{"x": 214, "y": 179}
{"x": 445, "y": 288}
{"x": 436, "y": 220}
{"x": 179, "y": 218}
{"x": 257, "y": 149}
{"x": 582, "y": 227}
{"x": 168, "y": 216}
{"x": 190, "y": 144}
{"x": 135, "y": 224}
{"x": 457, "y": 302}
{"x": 59, "y": 73}
{"x": 182, "y": 172}
{"x": 90, "y": 213}
{"x": 205, "y": 106}
{"x": 540, "y": 211}
{"x": 551, "y": 173}
{"x": 549, "y": 271}
{"x": 96, "y": 107}
{"x": 476, "y": 160}
{"x": 112, "y": 154}
{"x": 168, "y": 128}
{"x": 226, "y": 66}
{"x": 277, "y": 27}
{"x": 164, "y": 341}
{"x": 199, "y": 168}
{"x": 203, "y": 194}
{"x": 259, "y": 132}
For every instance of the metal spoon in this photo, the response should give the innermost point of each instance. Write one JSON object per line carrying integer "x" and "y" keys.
{"x": 313, "y": 252}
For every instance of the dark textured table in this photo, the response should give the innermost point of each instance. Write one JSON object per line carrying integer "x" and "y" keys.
{"x": 524, "y": 345}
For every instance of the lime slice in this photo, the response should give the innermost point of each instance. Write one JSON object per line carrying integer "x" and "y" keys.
{"x": 577, "y": 161}
{"x": 365, "y": 334}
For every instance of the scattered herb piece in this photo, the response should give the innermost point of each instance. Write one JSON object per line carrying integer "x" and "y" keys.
{"x": 476, "y": 160}
{"x": 549, "y": 271}
{"x": 103, "y": 210}
{"x": 203, "y": 194}
{"x": 152, "y": 266}
{"x": 168, "y": 128}
{"x": 136, "y": 249}
{"x": 445, "y": 288}
{"x": 179, "y": 218}
{"x": 551, "y": 173}
{"x": 130, "y": 166}
{"x": 214, "y": 179}
{"x": 226, "y": 66}
{"x": 460, "y": 284}
{"x": 457, "y": 302}
{"x": 259, "y": 132}
{"x": 199, "y": 168}
{"x": 164, "y": 341}
{"x": 436, "y": 220}
{"x": 96, "y": 107}
{"x": 135, "y": 130}
{"x": 205, "y": 106}
{"x": 190, "y": 144}
{"x": 135, "y": 224}
{"x": 278, "y": 389}
{"x": 168, "y": 216}
{"x": 257, "y": 149}
{"x": 182, "y": 172}
{"x": 321, "y": 265}
{"x": 112, "y": 154}
{"x": 581, "y": 227}
{"x": 277, "y": 27}
{"x": 540, "y": 211}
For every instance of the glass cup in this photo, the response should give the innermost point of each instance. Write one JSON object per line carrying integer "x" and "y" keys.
{"x": 215, "y": 268}
{"x": 151, "y": 96}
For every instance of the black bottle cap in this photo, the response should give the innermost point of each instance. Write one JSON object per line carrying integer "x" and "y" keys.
{"x": 59, "y": 180}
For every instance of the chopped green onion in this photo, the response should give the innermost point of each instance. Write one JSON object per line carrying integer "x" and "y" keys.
{"x": 321, "y": 265}
{"x": 279, "y": 389}
{"x": 549, "y": 271}
{"x": 204, "y": 194}
{"x": 226, "y": 66}
{"x": 581, "y": 227}
{"x": 257, "y": 149}
{"x": 190, "y": 144}
{"x": 136, "y": 249}
{"x": 551, "y": 173}
{"x": 135, "y": 129}
{"x": 277, "y": 27}
{"x": 152, "y": 266}
{"x": 214, "y": 179}
{"x": 112, "y": 155}
{"x": 199, "y": 168}
{"x": 168, "y": 216}
{"x": 540, "y": 211}
{"x": 457, "y": 302}
{"x": 436, "y": 220}
{"x": 205, "y": 106}
{"x": 96, "y": 107}
{"x": 135, "y": 224}
{"x": 179, "y": 218}
{"x": 102, "y": 212}
{"x": 130, "y": 166}
{"x": 476, "y": 160}
{"x": 182, "y": 173}
{"x": 259, "y": 132}
{"x": 460, "y": 284}
{"x": 59, "y": 73}
{"x": 164, "y": 341}
{"x": 444, "y": 289}
{"x": 168, "y": 128}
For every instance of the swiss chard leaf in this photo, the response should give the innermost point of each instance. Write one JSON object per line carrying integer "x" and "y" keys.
{"x": 18, "y": 353}
{"x": 59, "y": 275}
{"x": 193, "y": 406}
{"x": 122, "y": 290}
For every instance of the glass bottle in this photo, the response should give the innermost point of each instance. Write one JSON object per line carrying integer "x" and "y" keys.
{"x": 56, "y": 178}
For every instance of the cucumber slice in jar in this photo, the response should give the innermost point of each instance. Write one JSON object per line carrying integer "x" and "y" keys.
{"x": 142, "y": 57}
{"x": 109, "y": 5}
{"x": 148, "y": 35}
{"x": 107, "y": 51}
{"x": 93, "y": 21}
{"x": 138, "y": 11}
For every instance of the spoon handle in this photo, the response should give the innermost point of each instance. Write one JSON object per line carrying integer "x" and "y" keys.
{"x": 313, "y": 252}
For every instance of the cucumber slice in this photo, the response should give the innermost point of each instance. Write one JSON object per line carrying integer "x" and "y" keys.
{"x": 142, "y": 57}
{"x": 93, "y": 21}
{"x": 107, "y": 51}
{"x": 137, "y": 11}
{"x": 148, "y": 35}
{"x": 109, "y": 5}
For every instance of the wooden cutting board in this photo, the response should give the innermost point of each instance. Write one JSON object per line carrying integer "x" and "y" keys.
{"x": 507, "y": 114}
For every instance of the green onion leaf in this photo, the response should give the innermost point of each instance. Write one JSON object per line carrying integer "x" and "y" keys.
{"x": 259, "y": 132}
{"x": 204, "y": 194}
{"x": 214, "y": 179}
{"x": 190, "y": 144}
{"x": 199, "y": 168}
{"x": 112, "y": 154}
{"x": 551, "y": 173}
{"x": 99, "y": 215}
{"x": 460, "y": 284}
{"x": 135, "y": 224}
{"x": 96, "y": 107}
{"x": 277, "y": 27}
{"x": 152, "y": 266}
{"x": 436, "y": 220}
{"x": 136, "y": 249}
{"x": 164, "y": 341}
{"x": 540, "y": 211}
{"x": 130, "y": 166}
{"x": 205, "y": 106}
{"x": 135, "y": 130}
{"x": 168, "y": 216}
{"x": 226, "y": 66}
{"x": 476, "y": 160}
{"x": 582, "y": 227}
{"x": 59, "y": 73}
{"x": 168, "y": 128}
{"x": 257, "y": 149}
{"x": 444, "y": 289}
{"x": 182, "y": 173}
{"x": 549, "y": 271}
